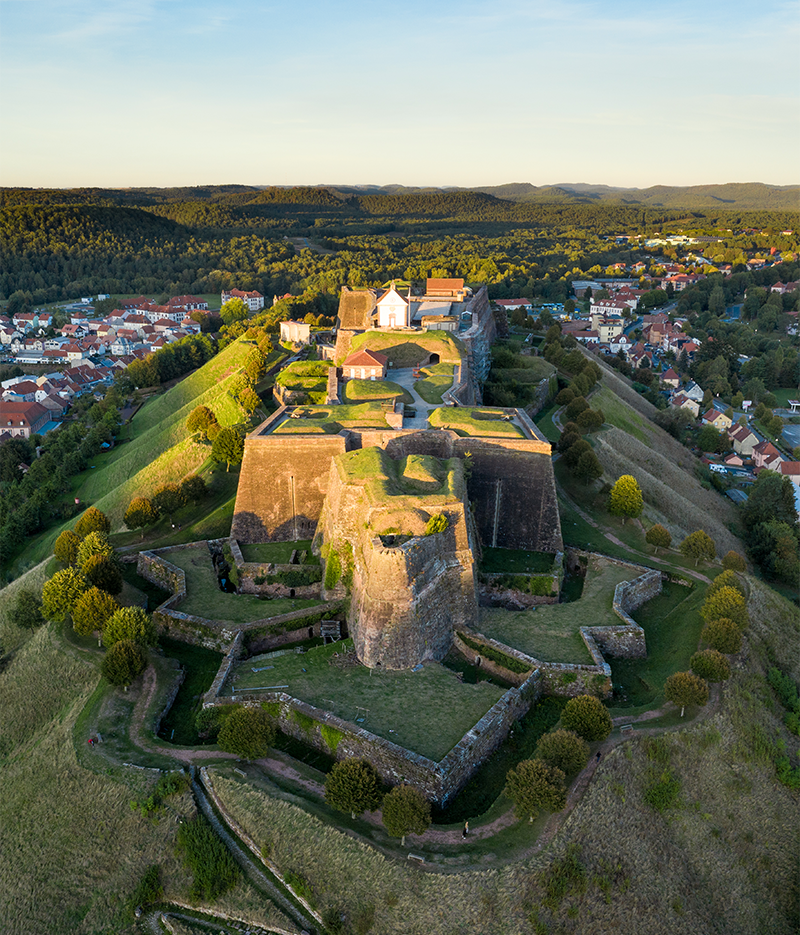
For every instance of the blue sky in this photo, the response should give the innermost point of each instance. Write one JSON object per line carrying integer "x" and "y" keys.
{"x": 165, "y": 92}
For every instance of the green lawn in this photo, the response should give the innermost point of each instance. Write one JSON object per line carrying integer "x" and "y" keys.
{"x": 473, "y": 422}
{"x": 332, "y": 419}
{"x": 672, "y": 625}
{"x": 408, "y": 349}
{"x": 618, "y": 413}
{"x": 201, "y": 666}
{"x": 784, "y": 394}
{"x": 550, "y": 632}
{"x": 278, "y": 553}
{"x": 544, "y": 421}
{"x": 438, "y": 378}
{"x": 357, "y": 391}
{"x": 204, "y": 598}
{"x": 427, "y": 711}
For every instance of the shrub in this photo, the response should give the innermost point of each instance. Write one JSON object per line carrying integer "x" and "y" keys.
{"x": 563, "y": 749}
{"x": 723, "y": 635}
{"x": 728, "y": 579}
{"x": 248, "y": 732}
{"x": 333, "y": 570}
{"x": 103, "y": 573}
{"x": 734, "y": 562}
{"x": 587, "y": 717}
{"x": 437, "y": 523}
{"x": 27, "y": 611}
{"x": 149, "y": 889}
{"x": 663, "y": 791}
{"x": 726, "y": 602}
{"x": 213, "y": 867}
{"x": 532, "y": 786}
{"x": 711, "y": 665}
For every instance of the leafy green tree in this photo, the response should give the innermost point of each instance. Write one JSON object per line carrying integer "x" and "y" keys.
{"x": 575, "y": 407}
{"x": 26, "y": 612}
{"x": 709, "y": 439}
{"x": 575, "y": 452}
{"x": 625, "y": 498}
{"x": 61, "y": 593}
{"x": 710, "y": 665}
{"x": 726, "y": 602}
{"x": 193, "y": 488}
{"x": 140, "y": 513}
{"x": 249, "y": 400}
{"x": 590, "y": 420}
{"x": 353, "y": 786}
{"x": 93, "y": 610}
{"x": 228, "y": 447}
{"x": 248, "y": 732}
{"x": 723, "y": 635}
{"x": 728, "y": 579}
{"x": 167, "y": 499}
{"x": 94, "y": 543}
{"x": 123, "y": 662}
{"x": 699, "y": 546}
{"x": 201, "y": 419}
{"x": 405, "y": 810}
{"x": 588, "y": 468}
{"x": 130, "y": 623}
{"x": 66, "y": 547}
{"x": 587, "y": 717}
{"x": 770, "y": 498}
{"x": 103, "y": 573}
{"x": 686, "y": 688}
{"x": 532, "y": 786}
{"x": 93, "y": 520}
{"x": 658, "y": 536}
{"x": 234, "y": 310}
{"x": 563, "y": 749}
{"x": 734, "y": 562}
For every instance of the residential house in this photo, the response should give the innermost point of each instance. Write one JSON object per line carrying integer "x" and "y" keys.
{"x": 693, "y": 391}
{"x": 22, "y": 419}
{"x": 365, "y": 365}
{"x": 743, "y": 440}
{"x": 670, "y": 378}
{"x": 790, "y": 469}
{"x": 766, "y": 455}
{"x": 511, "y": 305}
{"x": 718, "y": 419}
{"x": 682, "y": 401}
{"x": 187, "y": 303}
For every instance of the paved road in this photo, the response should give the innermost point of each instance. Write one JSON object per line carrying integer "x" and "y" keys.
{"x": 405, "y": 378}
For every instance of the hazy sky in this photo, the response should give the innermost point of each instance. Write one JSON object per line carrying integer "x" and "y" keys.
{"x": 166, "y": 92}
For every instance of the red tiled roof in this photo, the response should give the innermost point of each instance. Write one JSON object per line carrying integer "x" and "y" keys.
{"x": 366, "y": 359}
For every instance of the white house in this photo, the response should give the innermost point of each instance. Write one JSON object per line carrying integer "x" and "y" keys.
{"x": 393, "y": 309}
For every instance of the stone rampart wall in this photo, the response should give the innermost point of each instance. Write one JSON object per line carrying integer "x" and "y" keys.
{"x": 224, "y": 670}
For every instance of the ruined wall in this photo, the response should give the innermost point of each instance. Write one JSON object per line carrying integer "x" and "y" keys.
{"x": 282, "y": 485}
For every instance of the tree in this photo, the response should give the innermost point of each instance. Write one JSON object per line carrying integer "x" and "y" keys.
{"x": 130, "y": 623}
{"x": 534, "y": 785}
{"x": 588, "y": 468}
{"x": 26, "y": 612}
{"x": 684, "y": 688}
{"x": 66, "y": 547}
{"x": 699, "y": 545}
{"x": 167, "y": 499}
{"x": 658, "y": 536}
{"x": 728, "y": 579}
{"x": 575, "y": 407}
{"x": 734, "y": 562}
{"x": 201, "y": 419}
{"x": 353, "y": 786}
{"x": 193, "y": 488}
{"x": 93, "y": 520}
{"x": 140, "y": 513}
{"x": 228, "y": 447}
{"x": 590, "y": 420}
{"x": 249, "y": 400}
{"x": 723, "y": 635}
{"x": 726, "y": 602}
{"x": 710, "y": 665}
{"x": 625, "y": 498}
{"x": 61, "y": 593}
{"x": 248, "y": 732}
{"x": 93, "y": 610}
{"x": 93, "y": 544}
{"x": 563, "y": 749}
{"x": 587, "y": 717}
{"x": 405, "y": 810}
{"x": 770, "y": 498}
{"x": 234, "y": 310}
{"x": 103, "y": 573}
{"x": 123, "y": 662}
{"x": 708, "y": 438}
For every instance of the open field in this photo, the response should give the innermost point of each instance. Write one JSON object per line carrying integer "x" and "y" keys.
{"x": 474, "y": 422}
{"x": 278, "y": 553}
{"x": 550, "y": 632}
{"x": 427, "y": 711}
{"x": 204, "y": 598}
{"x": 437, "y": 379}
{"x": 332, "y": 419}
